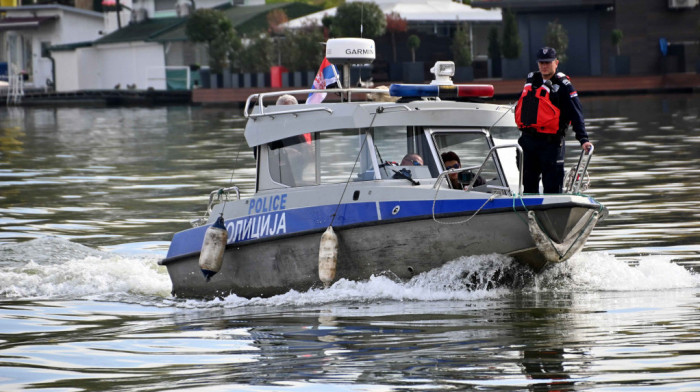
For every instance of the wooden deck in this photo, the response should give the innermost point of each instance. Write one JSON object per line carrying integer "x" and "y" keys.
{"x": 510, "y": 89}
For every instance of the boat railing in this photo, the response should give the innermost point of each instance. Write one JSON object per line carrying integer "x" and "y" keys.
{"x": 219, "y": 193}
{"x": 579, "y": 172}
{"x": 259, "y": 99}
{"x": 483, "y": 164}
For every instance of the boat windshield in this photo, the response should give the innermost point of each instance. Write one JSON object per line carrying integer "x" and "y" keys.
{"x": 471, "y": 147}
{"x": 403, "y": 148}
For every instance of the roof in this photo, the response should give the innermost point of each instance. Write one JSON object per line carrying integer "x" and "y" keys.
{"x": 531, "y": 5}
{"x": 24, "y": 23}
{"x": 48, "y": 7}
{"x": 245, "y": 19}
{"x": 148, "y": 30}
{"x": 357, "y": 115}
{"x": 416, "y": 11}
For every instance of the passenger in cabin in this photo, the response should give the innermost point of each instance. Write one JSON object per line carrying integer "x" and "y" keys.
{"x": 286, "y": 99}
{"x": 298, "y": 154}
{"x": 458, "y": 180}
{"x": 408, "y": 160}
{"x": 412, "y": 160}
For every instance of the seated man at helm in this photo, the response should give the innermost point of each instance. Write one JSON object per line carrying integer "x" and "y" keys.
{"x": 408, "y": 160}
{"x": 462, "y": 179}
{"x": 412, "y": 160}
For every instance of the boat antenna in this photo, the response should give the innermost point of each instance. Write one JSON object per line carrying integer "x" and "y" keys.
{"x": 362, "y": 19}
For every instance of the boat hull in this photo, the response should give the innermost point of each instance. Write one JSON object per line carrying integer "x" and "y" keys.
{"x": 402, "y": 249}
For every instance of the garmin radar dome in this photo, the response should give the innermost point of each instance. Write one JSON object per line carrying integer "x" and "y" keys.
{"x": 350, "y": 51}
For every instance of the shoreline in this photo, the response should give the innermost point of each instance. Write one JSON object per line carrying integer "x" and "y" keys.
{"x": 504, "y": 89}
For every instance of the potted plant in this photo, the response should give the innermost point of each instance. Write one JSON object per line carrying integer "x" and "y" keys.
{"x": 511, "y": 47}
{"x": 413, "y": 72}
{"x": 462, "y": 54}
{"x": 619, "y": 64}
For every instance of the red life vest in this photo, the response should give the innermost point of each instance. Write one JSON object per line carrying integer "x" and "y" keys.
{"x": 535, "y": 110}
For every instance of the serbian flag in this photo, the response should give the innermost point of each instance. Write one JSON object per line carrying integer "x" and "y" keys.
{"x": 327, "y": 75}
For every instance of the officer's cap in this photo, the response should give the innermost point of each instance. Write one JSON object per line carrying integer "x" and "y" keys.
{"x": 546, "y": 54}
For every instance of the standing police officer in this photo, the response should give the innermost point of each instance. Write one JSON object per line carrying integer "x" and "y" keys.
{"x": 548, "y": 104}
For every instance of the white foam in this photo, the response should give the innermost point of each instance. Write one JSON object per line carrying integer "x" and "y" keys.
{"x": 55, "y": 268}
{"x": 601, "y": 271}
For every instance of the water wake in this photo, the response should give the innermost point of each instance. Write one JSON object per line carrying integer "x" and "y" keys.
{"x": 56, "y": 268}
{"x": 52, "y": 267}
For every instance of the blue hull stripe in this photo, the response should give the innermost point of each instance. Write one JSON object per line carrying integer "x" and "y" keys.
{"x": 280, "y": 222}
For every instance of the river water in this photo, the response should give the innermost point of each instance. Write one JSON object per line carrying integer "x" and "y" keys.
{"x": 90, "y": 197}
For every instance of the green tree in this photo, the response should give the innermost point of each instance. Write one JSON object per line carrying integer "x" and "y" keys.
{"x": 358, "y": 19}
{"x": 557, "y": 38}
{"x": 511, "y": 44}
{"x": 302, "y": 48}
{"x": 413, "y": 43}
{"x": 616, "y": 38}
{"x": 213, "y": 28}
{"x": 461, "y": 46}
{"x": 257, "y": 55}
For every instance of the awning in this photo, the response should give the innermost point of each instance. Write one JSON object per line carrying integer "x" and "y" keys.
{"x": 24, "y": 23}
{"x": 414, "y": 11}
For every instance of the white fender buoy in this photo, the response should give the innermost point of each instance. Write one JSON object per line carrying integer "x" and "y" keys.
{"x": 327, "y": 257}
{"x": 212, "y": 254}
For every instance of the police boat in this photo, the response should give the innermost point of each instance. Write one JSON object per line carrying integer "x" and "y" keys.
{"x": 335, "y": 198}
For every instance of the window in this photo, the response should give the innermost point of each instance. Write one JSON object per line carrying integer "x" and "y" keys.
{"x": 471, "y": 147}
{"x": 326, "y": 158}
{"x": 292, "y": 161}
{"x": 392, "y": 144}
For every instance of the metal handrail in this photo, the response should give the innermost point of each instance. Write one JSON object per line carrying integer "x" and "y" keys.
{"x": 579, "y": 173}
{"x": 481, "y": 167}
{"x": 219, "y": 193}
{"x": 261, "y": 96}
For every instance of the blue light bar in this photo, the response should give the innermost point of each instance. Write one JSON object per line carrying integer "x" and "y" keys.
{"x": 413, "y": 90}
{"x": 442, "y": 91}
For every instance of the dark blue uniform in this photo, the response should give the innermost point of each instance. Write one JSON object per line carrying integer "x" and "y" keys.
{"x": 543, "y": 153}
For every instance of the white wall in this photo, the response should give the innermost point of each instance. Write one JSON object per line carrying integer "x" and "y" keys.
{"x": 71, "y": 26}
{"x": 105, "y": 66}
{"x": 129, "y": 63}
{"x": 66, "y": 70}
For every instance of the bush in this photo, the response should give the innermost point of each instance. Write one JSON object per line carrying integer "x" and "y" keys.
{"x": 257, "y": 55}
{"x": 215, "y": 29}
{"x": 301, "y": 49}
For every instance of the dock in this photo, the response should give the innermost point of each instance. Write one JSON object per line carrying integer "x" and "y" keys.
{"x": 510, "y": 89}
{"x": 504, "y": 90}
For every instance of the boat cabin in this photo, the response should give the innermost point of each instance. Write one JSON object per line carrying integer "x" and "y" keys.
{"x": 368, "y": 141}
